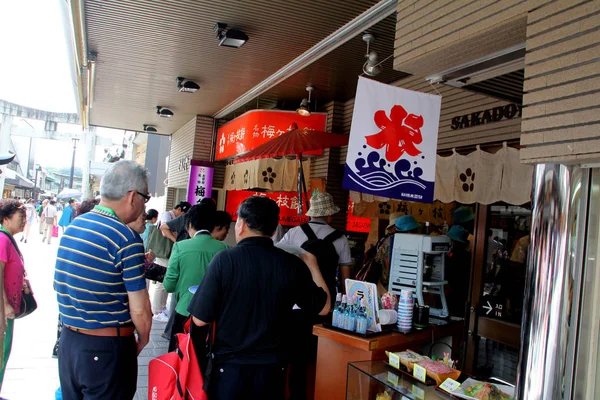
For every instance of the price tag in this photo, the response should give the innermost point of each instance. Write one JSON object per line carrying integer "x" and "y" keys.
{"x": 420, "y": 373}
{"x": 418, "y": 392}
{"x": 395, "y": 360}
{"x": 393, "y": 378}
{"x": 450, "y": 385}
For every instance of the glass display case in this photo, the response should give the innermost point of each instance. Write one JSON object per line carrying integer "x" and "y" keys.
{"x": 375, "y": 380}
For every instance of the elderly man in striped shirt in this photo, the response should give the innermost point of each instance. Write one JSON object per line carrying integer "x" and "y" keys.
{"x": 102, "y": 296}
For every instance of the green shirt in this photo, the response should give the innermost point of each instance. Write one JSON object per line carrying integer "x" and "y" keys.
{"x": 187, "y": 266}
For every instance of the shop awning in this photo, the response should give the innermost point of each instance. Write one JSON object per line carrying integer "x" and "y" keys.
{"x": 17, "y": 180}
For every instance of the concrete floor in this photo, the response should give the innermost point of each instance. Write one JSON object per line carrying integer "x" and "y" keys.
{"x": 31, "y": 371}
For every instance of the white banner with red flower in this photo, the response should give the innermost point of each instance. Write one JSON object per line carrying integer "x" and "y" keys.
{"x": 393, "y": 142}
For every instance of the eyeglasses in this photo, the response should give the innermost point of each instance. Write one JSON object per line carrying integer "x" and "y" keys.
{"x": 145, "y": 196}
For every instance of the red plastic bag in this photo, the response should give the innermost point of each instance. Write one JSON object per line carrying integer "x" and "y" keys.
{"x": 55, "y": 231}
{"x": 176, "y": 375}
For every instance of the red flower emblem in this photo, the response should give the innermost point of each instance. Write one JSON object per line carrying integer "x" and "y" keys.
{"x": 398, "y": 134}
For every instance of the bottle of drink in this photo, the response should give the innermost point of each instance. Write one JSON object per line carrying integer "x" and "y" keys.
{"x": 427, "y": 228}
{"x": 445, "y": 228}
{"x": 350, "y": 315}
{"x": 346, "y": 316}
{"x": 336, "y": 309}
{"x": 339, "y": 321}
{"x": 361, "y": 317}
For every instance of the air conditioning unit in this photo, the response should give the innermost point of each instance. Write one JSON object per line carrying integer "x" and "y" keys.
{"x": 491, "y": 66}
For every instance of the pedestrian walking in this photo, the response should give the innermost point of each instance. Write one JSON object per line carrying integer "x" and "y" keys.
{"x": 30, "y": 215}
{"x": 12, "y": 272}
{"x": 50, "y": 216}
{"x": 67, "y": 215}
{"x": 101, "y": 291}
{"x": 248, "y": 292}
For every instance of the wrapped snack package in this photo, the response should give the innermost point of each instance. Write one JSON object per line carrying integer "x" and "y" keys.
{"x": 389, "y": 301}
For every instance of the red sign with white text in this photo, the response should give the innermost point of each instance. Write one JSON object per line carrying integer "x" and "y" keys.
{"x": 259, "y": 126}
{"x": 356, "y": 224}
{"x": 287, "y": 202}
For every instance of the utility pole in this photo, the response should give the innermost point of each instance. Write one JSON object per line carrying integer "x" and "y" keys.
{"x": 75, "y": 140}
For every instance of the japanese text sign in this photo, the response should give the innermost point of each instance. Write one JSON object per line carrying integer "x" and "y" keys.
{"x": 200, "y": 183}
{"x": 287, "y": 202}
{"x": 356, "y": 224}
{"x": 259, "y": 126}
{"x": 393, "y": 142}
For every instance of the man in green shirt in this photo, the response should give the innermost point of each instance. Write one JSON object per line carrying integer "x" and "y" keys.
{"x": 189, "y": 262}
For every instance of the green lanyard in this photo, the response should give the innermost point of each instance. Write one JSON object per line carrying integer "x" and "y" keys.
{"x": 3, "y": 229}
{"x": 106, "y": 210}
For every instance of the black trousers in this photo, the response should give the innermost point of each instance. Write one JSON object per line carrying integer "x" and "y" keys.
{"x": 178, "y": 322}
{"x": 97, "y": 368}
{"x": 303, "y": 353}
{"x": 247, "y": 381}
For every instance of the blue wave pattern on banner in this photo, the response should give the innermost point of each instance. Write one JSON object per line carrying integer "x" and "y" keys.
{"x": 372, "y": 175}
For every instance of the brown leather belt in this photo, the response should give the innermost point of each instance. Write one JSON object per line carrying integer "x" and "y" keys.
{"x": 107, "y": 332}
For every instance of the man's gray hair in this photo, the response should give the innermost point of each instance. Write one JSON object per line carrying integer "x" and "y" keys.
{"x": 121, "y": 178}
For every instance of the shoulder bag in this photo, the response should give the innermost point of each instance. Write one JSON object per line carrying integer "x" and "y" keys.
{"x": 28, "y": 303}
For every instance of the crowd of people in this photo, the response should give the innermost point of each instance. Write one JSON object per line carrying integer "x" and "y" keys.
{"x": 113, "y": 250}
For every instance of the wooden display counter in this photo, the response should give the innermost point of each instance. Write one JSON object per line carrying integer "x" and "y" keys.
{"x": 337, "y": 349}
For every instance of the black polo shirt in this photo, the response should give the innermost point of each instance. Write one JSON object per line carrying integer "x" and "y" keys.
{"x": 249, "y": 290}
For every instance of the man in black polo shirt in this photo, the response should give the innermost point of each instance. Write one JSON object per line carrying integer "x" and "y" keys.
{"x": 249, "y": 291}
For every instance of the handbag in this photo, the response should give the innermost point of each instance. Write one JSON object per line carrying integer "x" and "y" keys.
{"x": 155, "y": 272}
{"x": 55, "y": 231}
{"x": 28, "y": 303}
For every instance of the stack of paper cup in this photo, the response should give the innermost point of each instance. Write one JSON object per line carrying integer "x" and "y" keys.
{"x": 406, "y": 305}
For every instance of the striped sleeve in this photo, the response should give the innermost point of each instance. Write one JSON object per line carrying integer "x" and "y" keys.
{"x": 131, "y": 260}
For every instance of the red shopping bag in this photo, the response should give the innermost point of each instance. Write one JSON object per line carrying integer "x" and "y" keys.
{"x": 176, "y": 375}
{"x": 55, "y": 231}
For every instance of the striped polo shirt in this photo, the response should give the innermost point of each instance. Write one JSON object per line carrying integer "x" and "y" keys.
{"x": 99, "y": 260}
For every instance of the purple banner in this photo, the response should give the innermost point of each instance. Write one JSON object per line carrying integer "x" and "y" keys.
{"x": 200, "y": 183}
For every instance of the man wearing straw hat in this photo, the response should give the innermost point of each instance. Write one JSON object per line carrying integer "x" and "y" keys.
{"x": 321, "y": 212}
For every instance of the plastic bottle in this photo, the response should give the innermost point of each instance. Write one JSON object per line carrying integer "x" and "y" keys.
{"x": 336, "y": 309}
{"x": 427, "y": 228}
{"x": 445, "y": 228}
{"x": 339, "y": 321}
{"x": 361, "y": 317}
{"x": 350, "y": 315}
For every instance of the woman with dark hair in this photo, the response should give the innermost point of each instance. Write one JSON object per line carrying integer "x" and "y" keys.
{"x": 151, "y": 218}
{"x": 86, "y": 206}
{"x": 189, "y": 262}
{"x": 13, "y": 217}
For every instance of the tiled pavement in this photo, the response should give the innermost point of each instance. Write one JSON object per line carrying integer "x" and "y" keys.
{"x": 32, "y": 373}
{"x": 157, "y": 346}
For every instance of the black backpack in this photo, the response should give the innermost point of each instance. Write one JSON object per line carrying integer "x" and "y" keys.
{"x": 327, "y": 256}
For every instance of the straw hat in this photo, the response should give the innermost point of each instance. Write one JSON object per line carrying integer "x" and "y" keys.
{"x": 393, "y": 218}
{"x": 406, "y": 223}
{"x": 322, "y": 205}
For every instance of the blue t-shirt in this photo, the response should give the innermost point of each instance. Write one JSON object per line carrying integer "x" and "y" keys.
{"x": 99, "y": 260}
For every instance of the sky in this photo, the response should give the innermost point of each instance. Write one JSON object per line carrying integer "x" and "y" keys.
{"x": 36, "y": 55}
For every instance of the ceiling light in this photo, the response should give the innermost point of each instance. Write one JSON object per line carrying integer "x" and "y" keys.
{"x": 186, "y": 85}
{"x": 149, "y": 129}
{"x": 371, "y": 66}
{"x": 230, "y": 37}
{"x": 164, "y": 112}
{"x": 304, "y": 108}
